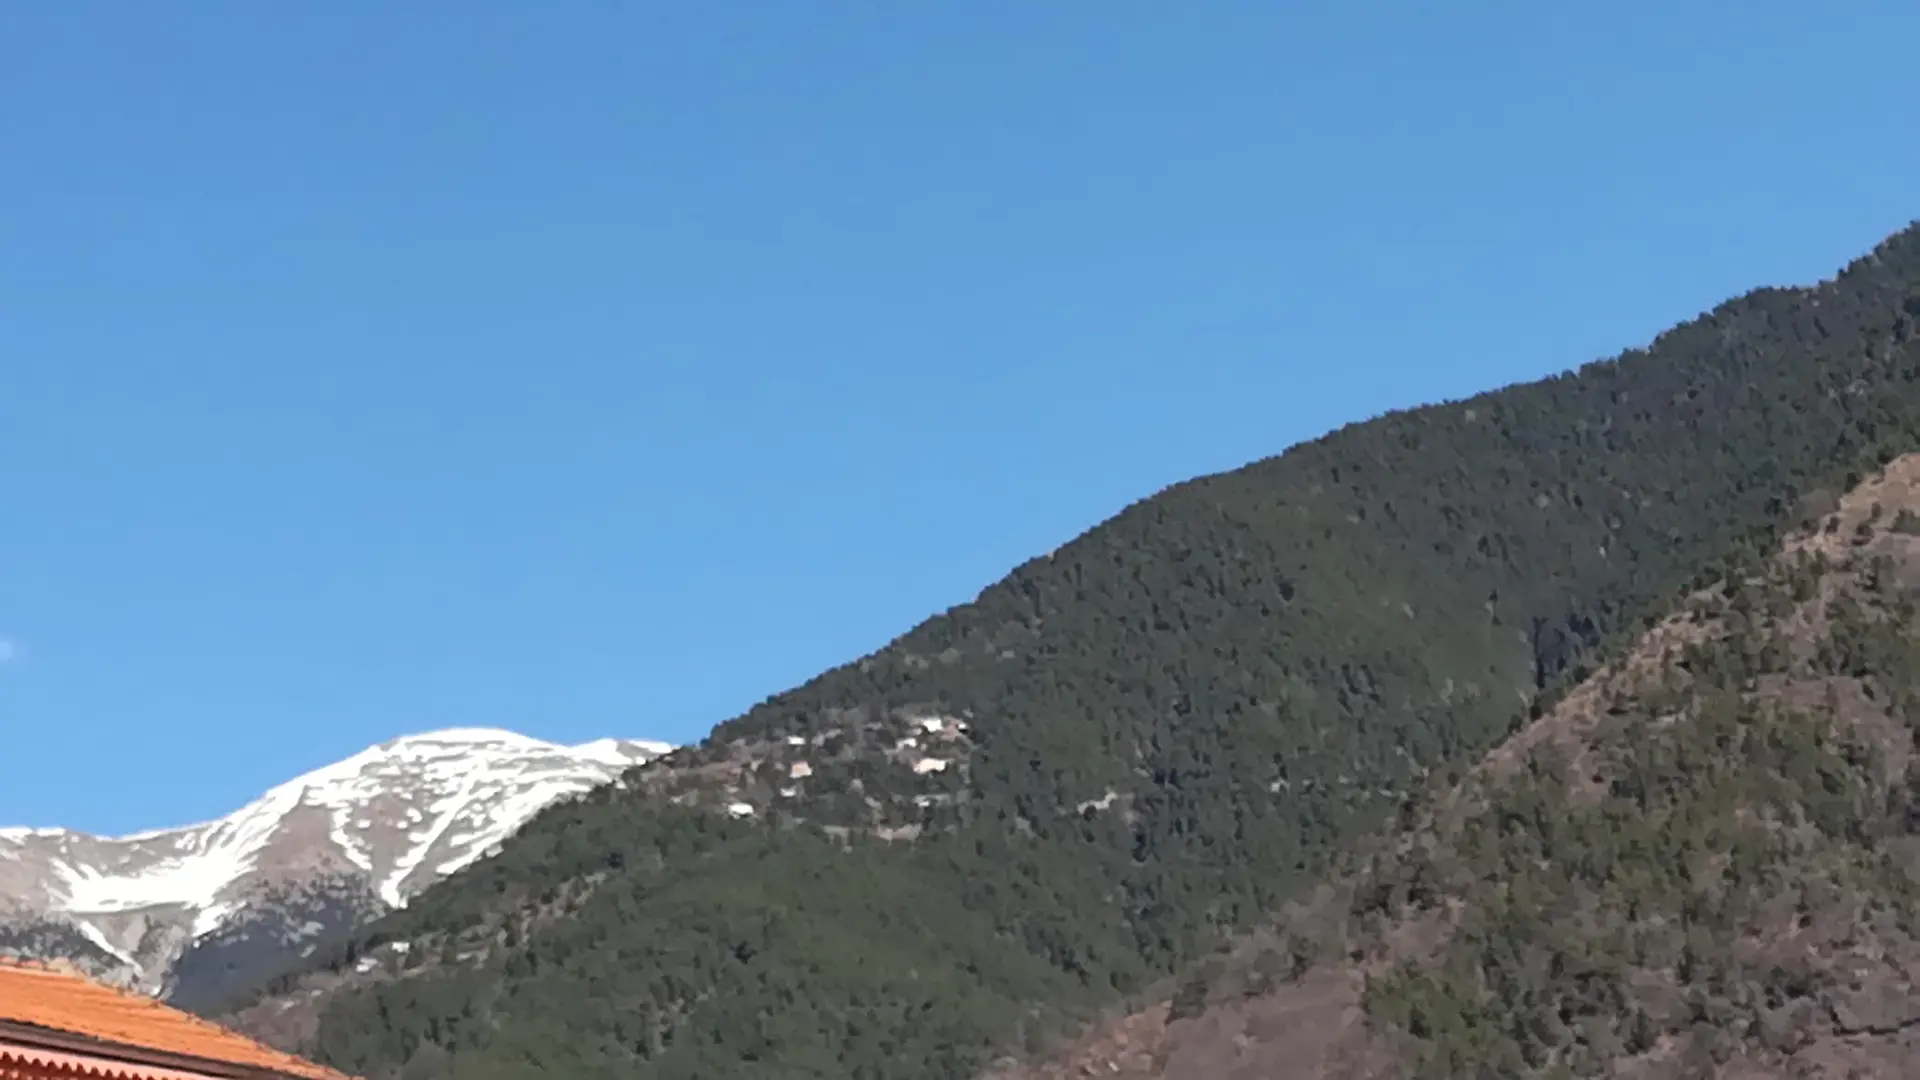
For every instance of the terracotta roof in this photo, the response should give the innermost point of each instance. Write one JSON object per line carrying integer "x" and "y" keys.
{"x": 26, "y": 1063}
{"x": 114, "y": 1022}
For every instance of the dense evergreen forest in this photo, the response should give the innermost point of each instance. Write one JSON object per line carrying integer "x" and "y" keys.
{"x": 1705, "y": 862}
{"x": 1173, "y": 724}
{"x": 1722, "y": 865}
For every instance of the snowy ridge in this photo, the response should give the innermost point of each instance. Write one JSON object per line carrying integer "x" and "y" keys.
{"x": 395, "y": 818}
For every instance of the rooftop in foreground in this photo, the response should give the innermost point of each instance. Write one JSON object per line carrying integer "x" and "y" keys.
{"x": 54, "y": 1023}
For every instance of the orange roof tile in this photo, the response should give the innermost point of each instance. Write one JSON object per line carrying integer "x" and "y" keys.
{"x": 27, "y": 1063}
{"x": 55, "y": 1001}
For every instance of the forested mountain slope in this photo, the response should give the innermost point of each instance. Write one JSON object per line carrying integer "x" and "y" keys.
{"x": 1704, "y": 862}
{"x": 1047, "y": 799}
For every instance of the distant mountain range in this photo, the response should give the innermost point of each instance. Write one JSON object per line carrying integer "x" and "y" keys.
{"x": 1565, "y": 730}
{"x": 195, "y": 911}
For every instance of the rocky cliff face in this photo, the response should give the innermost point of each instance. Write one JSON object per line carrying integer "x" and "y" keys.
{"x": 194, "y": 912}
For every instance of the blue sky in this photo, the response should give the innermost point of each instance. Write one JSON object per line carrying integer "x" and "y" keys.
{"x": 595, "y": 368}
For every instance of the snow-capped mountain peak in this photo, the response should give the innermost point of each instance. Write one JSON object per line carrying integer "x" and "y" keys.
{"x": 382, "y": 824}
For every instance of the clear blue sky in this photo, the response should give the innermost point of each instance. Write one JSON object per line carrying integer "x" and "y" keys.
{"x": 597, "y": 368}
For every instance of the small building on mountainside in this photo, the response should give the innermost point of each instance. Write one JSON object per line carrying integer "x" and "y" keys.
{"x": 55, "y": 1025}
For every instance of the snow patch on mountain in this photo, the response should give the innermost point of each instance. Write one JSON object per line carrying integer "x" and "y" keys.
{"x": 397, "y": 817}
